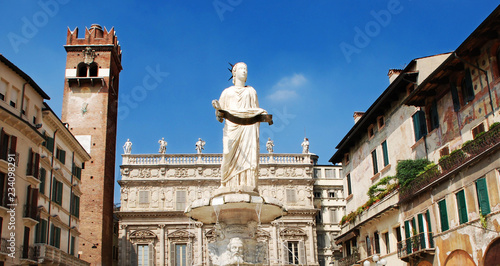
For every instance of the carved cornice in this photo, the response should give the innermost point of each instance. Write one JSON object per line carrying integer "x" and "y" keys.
{"x": 181, "y": 234}
{"x": 292, "y": 232}
{"x": 151, "y": 214}
{"x": 142, "y": 234}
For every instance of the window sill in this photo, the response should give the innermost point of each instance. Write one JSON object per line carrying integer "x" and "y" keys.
{"x": 376, "y": 176}
{"x": 420, "y": 141}
{"x": 349, "y": 197}
{"x": 385, "y": 169}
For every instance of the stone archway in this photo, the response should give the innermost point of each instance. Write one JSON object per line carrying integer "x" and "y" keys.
{"x": 424, "y": 263}
{"x": 459, "y": 257}
{"x": 492, "y": 254}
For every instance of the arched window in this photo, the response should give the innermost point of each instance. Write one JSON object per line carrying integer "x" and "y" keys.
{"x": 82, "y": 70}
{"x": 93, "y": 70}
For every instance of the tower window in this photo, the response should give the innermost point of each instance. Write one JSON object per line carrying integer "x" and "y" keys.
{"x": 82, "y": 70}
{"x": 93, "y": 70}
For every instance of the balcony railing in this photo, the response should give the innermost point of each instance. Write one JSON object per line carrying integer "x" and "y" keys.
{"x": 483, "y": 143}
{"x": 349, "y": 260}
{"x": 28, "y": 253}
{"x": 50, "y": 255}
{"x": 422, "y": 242}
{"x": 3, "y": 246}
{"x": 210, "y": 159}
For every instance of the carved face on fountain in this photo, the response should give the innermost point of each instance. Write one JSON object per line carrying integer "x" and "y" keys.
{"x": 235, "y": 246}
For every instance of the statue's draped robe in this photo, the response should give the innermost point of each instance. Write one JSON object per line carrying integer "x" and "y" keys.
{"x": 240, "y": 142}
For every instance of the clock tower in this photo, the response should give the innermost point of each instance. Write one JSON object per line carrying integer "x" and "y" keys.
{"x": 90, "y": 107}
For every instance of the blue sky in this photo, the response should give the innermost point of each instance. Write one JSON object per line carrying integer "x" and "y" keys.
{"x": 313, "y": 63}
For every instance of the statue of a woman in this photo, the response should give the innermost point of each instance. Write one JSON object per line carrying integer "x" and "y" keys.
{"x": 239, "y": 105}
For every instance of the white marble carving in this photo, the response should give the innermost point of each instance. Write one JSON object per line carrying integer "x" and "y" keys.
{"x": 305, "y": 146}
{"x": 127, "y": 147}
{"x": 270, "y": 145}
{"x": 163, "y": 146}
{"x": 200, "y": 145}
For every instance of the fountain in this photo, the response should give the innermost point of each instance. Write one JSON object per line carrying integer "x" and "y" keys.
{"x": 237, "y": 210}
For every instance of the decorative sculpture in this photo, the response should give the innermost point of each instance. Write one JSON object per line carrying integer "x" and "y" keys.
{"x": 270, "y": 145}
{"x": 200, "y": 145}
{"x": 163, "y": 146}
{"x": 127, "y": 147}
{"x": 305, "y": 146}
{"x": 239, "y": 105}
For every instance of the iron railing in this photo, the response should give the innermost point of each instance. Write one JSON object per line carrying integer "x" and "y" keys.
{"x": 3, "y": 246}
{"x": 349, "y": 260}
{"x": 469, "y": 151}
{"x": 28, "y": 253}
{"x": 414, "y": 244}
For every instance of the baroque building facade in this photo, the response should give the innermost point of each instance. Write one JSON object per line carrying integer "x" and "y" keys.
{"x": 445, "y": 115}
{"x": 156, "y": 189}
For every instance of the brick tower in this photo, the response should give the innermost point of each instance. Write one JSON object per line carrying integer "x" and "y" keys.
{"x": 90, "y": 107}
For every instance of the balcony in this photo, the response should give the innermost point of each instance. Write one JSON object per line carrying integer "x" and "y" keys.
{"x": 28, "y": 254}
{"x": 417, "y": 245}
{"x": 50, "y": 255}
{"x": 471, "y": 151}
{"x": 349, "y": 260}
{"x": 30, "y": 213}
{"x": 3, "y": 246}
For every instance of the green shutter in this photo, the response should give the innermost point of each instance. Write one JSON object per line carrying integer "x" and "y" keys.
{"x": 54, "y": 189}
{"x": 374, "y": 161}
{"x": 349, "y": 190}
{"x": 482, "y": 195}
{"x": 443, "y": 214}
{"x": 50, "y": 144}
{"x": 58, "y": 237}
{"x": 416, "y": 127}
{"x": 408, "y": 237}
{"x": 62, "y": 156}
{"x": 43, "y": 173}
{"x": 423, "y": 125}
{"x": 72, "y": 247}
{"x": 59, "y": 192}
{"x": 385, "y": 153}
{"x": 434, "y": 115}
{"x": 37, "y": 233}
{"x": 462, "y": 207}
{"x": 52, "y": 234}
{"x": 43, "y": 235}
{"x": 429, "y": 229}
{"x": 454, "y": 96}
{"x": 421, "y": 229}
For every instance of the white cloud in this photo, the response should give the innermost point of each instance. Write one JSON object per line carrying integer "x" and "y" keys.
{"x": 287, "y": 87}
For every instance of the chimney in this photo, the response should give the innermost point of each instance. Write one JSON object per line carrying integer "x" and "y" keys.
{"x": 393, "y": 74}
{"x": 357, "y": 116}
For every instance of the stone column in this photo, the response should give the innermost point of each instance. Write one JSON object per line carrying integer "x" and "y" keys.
{"x": 275, "y": 242}
{"x": 162, "y": 244}
{"x": 311, "y": 224}
{"x": 199, "y": 231}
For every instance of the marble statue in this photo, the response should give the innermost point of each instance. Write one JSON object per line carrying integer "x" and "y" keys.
{"x": 239, "y": 105}
{"x": 305, "y": 146}
{"x": 200, "y": 145}
{"x": 270, "y": 145}
{"x": 163, "y": 146}
{"x": 127, "y": 147}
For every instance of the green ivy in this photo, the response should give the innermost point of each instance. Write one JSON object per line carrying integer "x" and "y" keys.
{"x": 408, "y": 170}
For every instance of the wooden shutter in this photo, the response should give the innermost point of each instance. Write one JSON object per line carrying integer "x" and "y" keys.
{"x": 482, "y": 195}
{"x": 50, "y": 144}
{"x": 151, "y": 255}
{"x": 429, "y": 229}
{"x": 434, "y": 115}
{"x": 4, "y": 142}
{"x": 374, "y": 161}
{"x": 54, "y": 189}
{"x": 408, "y": 237}
{"x": 172, "y": 254}
{"x": 189, "y": 254}
{"x": 29, "y": 170}
{"x": 302, "y": 253}
{"x": 462, "y": 207}
{"x": 62, "y": 156}
{"x": 421, "y": 230}
{"x": 134, "y": 255}
{"x": 37, "y": 165}
{"x": 59, "y": 192}
{"x": 385, "y": 153}
{"x": 34, "y": 203}
{"x": 349, "y": 190}
{"x": 43, "y": 235}
{"x": 52, "y": 233}
{"x": 455, "y": 98}
{"x": 43, "y": 173}
{"x": 443, "y": 214}
{"x": 180, "y": 200}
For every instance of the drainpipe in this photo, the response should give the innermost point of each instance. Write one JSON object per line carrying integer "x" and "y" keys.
{"x": 70, "y": 201}
{"x": 22, "y": 100}
{"x": 487, "y": 79}
{"x": 50, "y": 187}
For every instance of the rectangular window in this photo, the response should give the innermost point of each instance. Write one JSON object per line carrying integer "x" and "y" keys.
{"x": 32, "y": 168}
{"x": 374, "y": 162}
{"x": 477, "y": 130}
{"x": 368, "y": 246}
{"x": 290, "y": 196}
{"x": 443, "y": 215}
{"x": 55, "y": 236}
{"x": 376, "y": 240}
{"x": 349, "y": 190}
{"x": 419, "y": 125}
{"x": 75, "y": 206}
{"x": 25, "y": 106}
{"x": 482, "y": 196}
{"x": 467, "y": 88}
{"x": 143, "y": 197}
{"x": 143, "y": 255}
{"x": 293, "y": 252}
{"x": 3, "y": 190}
{"x": 41, "y": 231}
{"x": 331, "y": 194}
{"x": 77, "y": 171}
{"x": 317, "y": 173}
{"x": 421, "y": 230}
{"x": 72, "y": 246}
{"x": 43, "y": 174}
{"x": 180, "y": 200}
{"x": 381, "y": 121}
{"x": 434, "y": 117}
{"x": 26, "y": 242}
{"x": 329, "y": 173}
{"x": 181, "y": 255}
{"x": 317, "y": 194}
{"x": 429, "y": 229}
{"x": 8, "y": 145}
{"x": 57, "y": 191}
{"x": 385, "y": 153}
{"x": 462, "y": 207}
{"x": 321, "y": 241}
{"x": 3, "y": 90}
{"x": 387, "y": 244}
{"x": 61, "y": 155}
{"x": 13, "y": 97}
{"x": 333, "y": 216}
